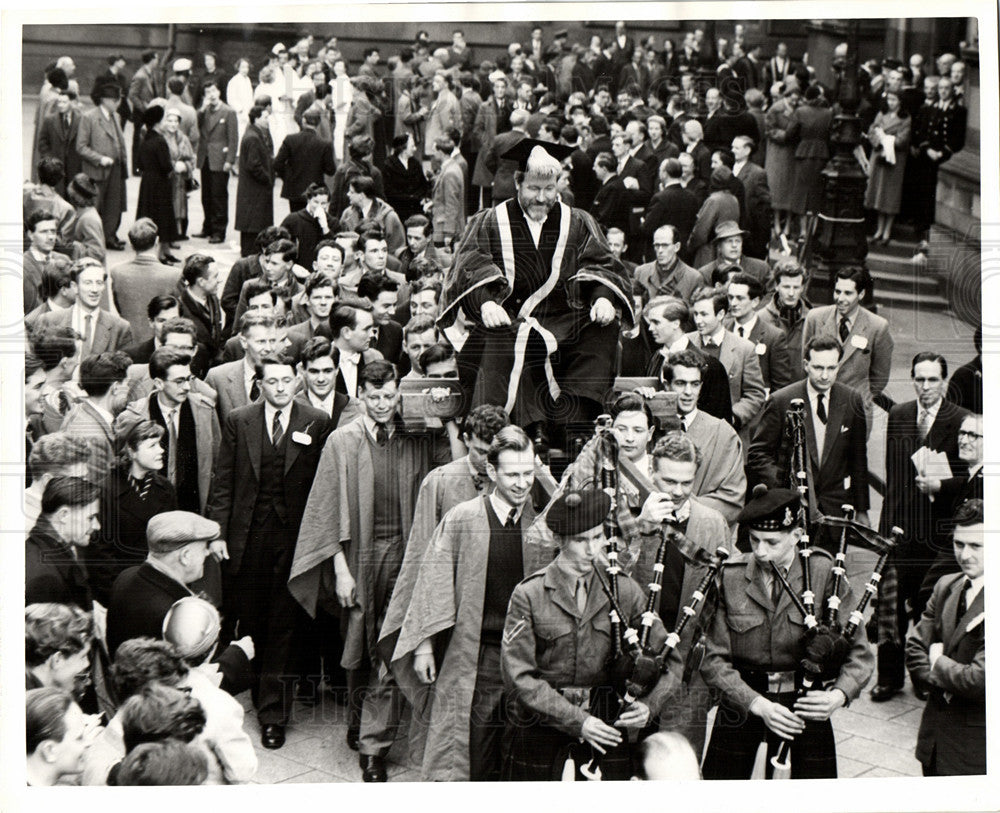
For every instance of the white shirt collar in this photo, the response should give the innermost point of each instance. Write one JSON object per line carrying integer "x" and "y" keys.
{"x": 717, "y": 337}
{"x": 248, "y": 371}
{"x": 164, "y": 407}
{"x": 270, "y": 410}
{"x": 689, "y": 418}
{"x": 813, "y": 393}
{"x": 371, "y": 426}
{"x": 973, "y": 589}
{"x": 747, "y": 327}
{"x": 738, "y": 166}
{"x": 325, "y": 404}
{"x": 502, "y": 508}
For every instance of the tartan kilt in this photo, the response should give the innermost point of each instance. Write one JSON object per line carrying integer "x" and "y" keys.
{"x": 537, "y": 752}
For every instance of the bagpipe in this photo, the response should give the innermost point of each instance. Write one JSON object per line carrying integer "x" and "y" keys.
{"x": 636, "y": 666}
{"x": 828, "y": 644}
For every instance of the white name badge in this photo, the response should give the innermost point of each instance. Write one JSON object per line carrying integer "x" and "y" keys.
{"x": 302, "y": 437}
{"x": 761, "y": 348}
{"x": 860, "y": 342}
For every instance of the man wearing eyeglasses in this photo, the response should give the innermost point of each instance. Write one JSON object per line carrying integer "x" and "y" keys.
{"x": 919, "y": 429}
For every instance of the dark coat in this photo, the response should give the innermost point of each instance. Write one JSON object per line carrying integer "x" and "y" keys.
{"x": 235, "y": 483}
{"x": 255, "y": 190}
{"x": 141, "y": 598}
{"x": 502, "y": 169}
{"x": 756, "y": 210}
{"x": 611, "y": 207}
{"x": 405, "y": 186}
{"x": 51, "y": 571}
{"x": 904, "y": 505}
{"x": 307, "y": 233}
{"x": 838, "y": 473}
{"x": 56, "y": 140}
{"x": 674, "y": 206}
{"x": 303, "y": 159}
{"x": 155, "y": 190}
{"x": 208, "y": 326}
{"x": 121, "y": 542}
{"x": 390, "y": 341}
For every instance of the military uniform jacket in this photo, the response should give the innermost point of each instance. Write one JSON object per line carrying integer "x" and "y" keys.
{"x": 548, "y": 645}
{"x": 748, "y": 633}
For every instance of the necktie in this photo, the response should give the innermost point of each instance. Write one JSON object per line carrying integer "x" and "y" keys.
{"x": 172, "y": 445}
{"x": 740, "y": 331}
{"x": 821, "y": 408}
{"x": 962, "y": 603}
{"x": 581, "y": 594}
{"x": 88, "y": 341}
{"x": 480, "y": 482}
{"x": 276, "y": 431}
{"x": 511, "y": 521}
{"x": 254, "y": 389}
{"x": 844, "y": 329}
{"x": 924, "y": 424}
{"x": 381, "y": 435}
{"x": 776, "y": 588}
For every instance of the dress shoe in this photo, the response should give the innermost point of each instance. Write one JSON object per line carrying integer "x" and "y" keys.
{"x": 202, "y": 235}
{"x": 169, "y": 259}
{"x": 921, "y": 692}
{"x": 117, "y": 245}
{"x": 353, "y": 735}
{"x": 373, "y": 769}
{"x": 183, "y": 237}
{"x": 272, "y": 736}
{"x": 216, "y": 238}
{"x": 881, "y": 693}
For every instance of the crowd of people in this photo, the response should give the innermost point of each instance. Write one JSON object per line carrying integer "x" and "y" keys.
{"x": 361, "y": 466}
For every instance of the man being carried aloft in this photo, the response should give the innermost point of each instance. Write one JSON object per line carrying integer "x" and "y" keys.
{"x": 540, "y": 283}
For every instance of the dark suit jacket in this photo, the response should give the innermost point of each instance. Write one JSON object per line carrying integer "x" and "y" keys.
{"x": 390, "y": 341}
{"x": 839, "y": 473}
{"x": 235, "y": 483}
{"x": 772, "y": 353}
{"x": 51, "y": 572}
{"x": 611, "y": 207}
{"x": 952, "y": 736}
{"x": 756, "y": 209}
{"x": 904, "y": 504}
{"x": 57, "y": 140}
{"x": 303, "y": 159}
{"x": 638, "y": 169}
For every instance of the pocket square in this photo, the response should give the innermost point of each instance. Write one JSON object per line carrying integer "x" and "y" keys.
{"x": 844, "y": 429}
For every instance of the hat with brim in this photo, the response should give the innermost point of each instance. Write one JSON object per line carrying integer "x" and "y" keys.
{"x": 182, "y": 64}
{"x": 107, "y": 90}
{"x": 576, "y": 512}
{"x": 727, "y": 228}
{"x": 173, "y": 530}
{"x": 83, "y": 187}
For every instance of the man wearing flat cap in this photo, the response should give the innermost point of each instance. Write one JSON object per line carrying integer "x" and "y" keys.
{"x": 546, "y": 295}
{"x": 101, "y": 147}
{"x": 179, "y": 543}
{"x": 757, "y": 640}
{"x": 555, "y": 655}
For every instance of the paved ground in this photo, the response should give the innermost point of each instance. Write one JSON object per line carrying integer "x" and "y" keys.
{"x": 873, "y": 740}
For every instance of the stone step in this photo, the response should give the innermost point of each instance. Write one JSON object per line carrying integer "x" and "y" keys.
{"x": 907, "y": 299}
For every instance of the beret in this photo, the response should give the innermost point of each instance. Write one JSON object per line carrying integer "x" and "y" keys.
{"x": 172, "y": 530}
{"x": 774, "y": 510}
{"x": 192, "y": 625}
{"x": 575, "y": 512}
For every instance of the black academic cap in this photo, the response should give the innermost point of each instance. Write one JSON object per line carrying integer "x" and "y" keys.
{"x": 520, "y": 151}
